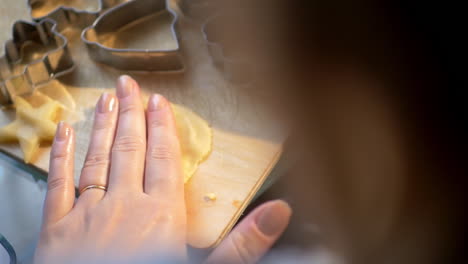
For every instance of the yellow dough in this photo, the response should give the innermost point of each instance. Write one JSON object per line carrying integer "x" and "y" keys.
{"x": 56, "y": 91}
{"x": 195, "y": 137}
{"x": 32, "y": 125}
{"x": 37, "y": 116}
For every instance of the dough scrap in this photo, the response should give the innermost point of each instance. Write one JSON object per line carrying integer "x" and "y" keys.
{"x": 32, "y": 125}
{"x": 195, "y": 137}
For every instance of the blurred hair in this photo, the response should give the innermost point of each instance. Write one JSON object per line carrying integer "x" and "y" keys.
{"x": 381, "y": 104}
{"x": 379, "y": 121}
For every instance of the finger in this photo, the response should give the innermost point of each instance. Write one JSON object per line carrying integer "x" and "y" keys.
{"x": 60, "y": 186}
{"x": 249, "y": 241}
{"x": 128, "y": 150}
{"x": 96, "y": 166}
{"x": 163, "y": 175}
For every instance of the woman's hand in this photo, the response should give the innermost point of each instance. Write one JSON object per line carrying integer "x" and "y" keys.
{"x": 132, "y": 207}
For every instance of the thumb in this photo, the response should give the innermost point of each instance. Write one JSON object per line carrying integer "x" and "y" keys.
{"x": 252, "y": 238}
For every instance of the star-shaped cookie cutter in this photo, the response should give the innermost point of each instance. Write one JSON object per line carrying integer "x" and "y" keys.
{"x": 23, "y": 80}
{"x": 133, "y": 59}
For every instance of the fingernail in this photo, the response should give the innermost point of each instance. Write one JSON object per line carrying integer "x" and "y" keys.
{"x": 63, "y": 131}
{"x": 125, "y": 86}
{"x": 274, "y": 219}
{"x": 106, "y": 103}
{"x": 156, "y": 102}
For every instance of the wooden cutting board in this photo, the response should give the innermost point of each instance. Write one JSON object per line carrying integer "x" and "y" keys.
{"x": 247, "y": 139}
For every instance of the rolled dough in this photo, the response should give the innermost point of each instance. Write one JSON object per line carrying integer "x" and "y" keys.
{"x": 195, "y": 137}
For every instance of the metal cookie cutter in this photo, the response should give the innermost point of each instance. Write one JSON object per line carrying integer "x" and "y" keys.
{"x": 236, "y": 67}
{"x": 66, "y": 15}
{"x": 132, "y": 59}
{"x": 198, "y": 10}
{"x": 20, "y": 75}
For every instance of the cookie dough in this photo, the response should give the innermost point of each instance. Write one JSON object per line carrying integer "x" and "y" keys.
{"x": 195, "y": 137}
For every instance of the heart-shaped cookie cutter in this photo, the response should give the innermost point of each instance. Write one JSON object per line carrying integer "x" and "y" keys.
{"x": 35, "y": 73}
{"x": 132, "y": 59}
{"x": 66, "y": 15}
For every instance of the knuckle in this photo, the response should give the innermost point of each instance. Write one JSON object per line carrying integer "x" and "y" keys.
{"x": 157, "y": 123}
{"x": 168, "y": 184}
{"x": 128, "y": 144}
{"x": 59, "y": 156}
{"x": 54, "y": 183}
{"x": 96, "y": 160}
{"x": 241, "y": 246}
{"x": 163, "y": 152}
{"x": 103, "y": 122}
{"x": 52, "y": 233}
{"x": 128, "y": 108}
{"x": 165, "y": 219}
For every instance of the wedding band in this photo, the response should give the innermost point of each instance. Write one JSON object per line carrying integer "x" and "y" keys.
{"x": 92, "y": 187}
